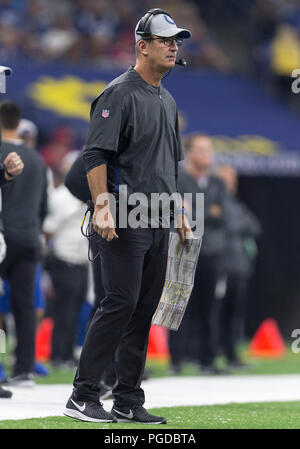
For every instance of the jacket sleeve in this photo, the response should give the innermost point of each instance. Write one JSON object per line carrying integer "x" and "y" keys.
{"x": 76, "y": 181}
{"x": 2, "y": 177}
{"x": 44, "y": 198}
{"x": 108, "y": 119}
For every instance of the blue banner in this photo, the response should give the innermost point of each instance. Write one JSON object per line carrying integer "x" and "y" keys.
{"x": 249, "y": 128}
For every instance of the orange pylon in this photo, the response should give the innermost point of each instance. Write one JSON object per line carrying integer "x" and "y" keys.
{"x": 43, "y": 340}
{"x": 267, "y": 341}
{"x": 158, "y": 343}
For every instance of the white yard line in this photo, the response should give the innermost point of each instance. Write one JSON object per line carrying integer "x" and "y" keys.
{"x": 50, "y": 400}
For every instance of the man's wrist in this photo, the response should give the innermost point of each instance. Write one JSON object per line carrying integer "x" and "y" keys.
{"x": 8, "y": 176}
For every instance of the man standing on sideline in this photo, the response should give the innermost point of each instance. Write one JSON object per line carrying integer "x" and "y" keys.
{"x": 24, "y": 207}
{"x": 133, "y": 141}
{"x": 242, "y": 228}
{"x": 28, "y": 132}
{"x": 11, "y": 167}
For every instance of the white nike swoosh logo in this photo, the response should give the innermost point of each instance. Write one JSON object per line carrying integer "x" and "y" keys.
{"x": 126, "y": 415}
{"x": 80, "y": 407}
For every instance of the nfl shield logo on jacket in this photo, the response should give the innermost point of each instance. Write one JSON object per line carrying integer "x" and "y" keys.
{"x": 105, "y": 113}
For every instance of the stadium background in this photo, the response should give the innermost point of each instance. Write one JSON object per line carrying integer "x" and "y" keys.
{"x": 237, "y": 89}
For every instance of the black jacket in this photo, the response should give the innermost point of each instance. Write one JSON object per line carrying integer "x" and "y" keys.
{"x": 242, "y": 228}
{"x": 214, "y": 238}
{"x": 76, "y": 181}
{"x": 24, "y": 201}
{"x": 139, "y": 124}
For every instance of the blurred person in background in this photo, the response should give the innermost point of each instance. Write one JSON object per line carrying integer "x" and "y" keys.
{"x": 242, "y": 228}
{"x": 67, "y": 265}
{"x": 28, "y": 132}
{"x": 11, "y": 167}
{"x": 284, "y": 50}
{"x": 274, "y": 40}
{"x": 96, "y": 32}
{"x": 202, "y": 50}
{"x": 39, "y": 306}
{"x": 53, "y": 153}
{"x": 24, "y": 209}
{"x": 198, "y": 330}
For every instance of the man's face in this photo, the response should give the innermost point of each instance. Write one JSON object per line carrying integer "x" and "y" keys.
{"x": 201, "y": 153}
{"x": 162, "y": 52}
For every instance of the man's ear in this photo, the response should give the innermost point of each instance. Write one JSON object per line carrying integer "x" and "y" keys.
{"x": 143, "y": 47}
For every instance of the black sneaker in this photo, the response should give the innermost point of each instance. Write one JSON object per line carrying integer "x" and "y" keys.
{"x": 208, "y": 370}
{"x": 136, "y": 413}
{"x": 22, "y": 380}
{"x": 237, "y": 364}
{"x": 5, "y": 394}
{"x": 175, "y": 370}
{"x": 87, "y": 411}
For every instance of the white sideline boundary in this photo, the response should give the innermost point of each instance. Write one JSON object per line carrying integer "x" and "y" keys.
{"x": 49, "y": 400}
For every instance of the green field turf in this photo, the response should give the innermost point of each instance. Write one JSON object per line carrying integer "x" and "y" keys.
{"x": 268, "y": 415}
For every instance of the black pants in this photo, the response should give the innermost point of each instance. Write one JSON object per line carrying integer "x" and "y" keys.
{"x": 196, "y": 337}
{"x": 109, "y": 376}
{"x": 19, "y": 268}
{"x": 133, "y": 274}
{"x": 232, "y": 315}
{"x": 70, "y": 285}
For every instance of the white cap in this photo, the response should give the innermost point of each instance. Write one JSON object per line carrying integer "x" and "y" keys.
{"x": 163, "y": 25}
{"x": 27, "y": 128}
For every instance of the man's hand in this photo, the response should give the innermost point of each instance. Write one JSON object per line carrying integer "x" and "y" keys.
{"x": 183, "y": 229}
{"x": 13, "y": 165}
{"x": 103, "y": 223}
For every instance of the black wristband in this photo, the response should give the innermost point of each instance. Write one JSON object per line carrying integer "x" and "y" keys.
{"x": 8, "y": 174}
